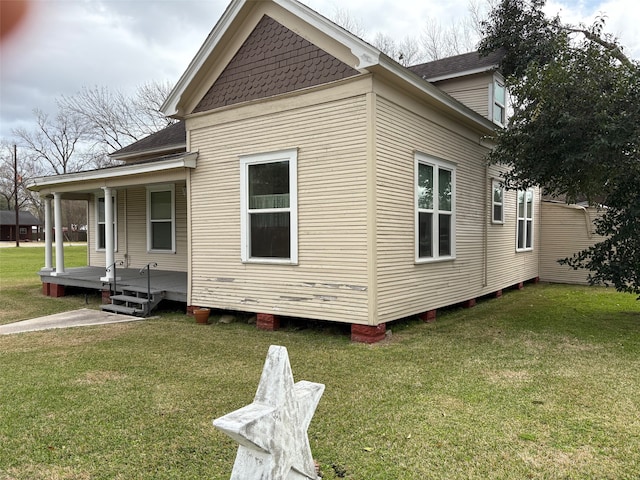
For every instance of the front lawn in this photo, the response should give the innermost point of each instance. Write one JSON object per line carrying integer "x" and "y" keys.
{"x": 543, "y": 383}
{"x": 21, "y": 295}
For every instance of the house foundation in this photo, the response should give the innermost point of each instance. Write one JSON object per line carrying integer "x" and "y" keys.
{"x": 106, "y": 296}
{"x": 267, "y": 321}
{"x": 368, "y": 333}
{"x": 53, "y": 290}
{"x": 469, "y": 303}
{"x": 428, "y": 316}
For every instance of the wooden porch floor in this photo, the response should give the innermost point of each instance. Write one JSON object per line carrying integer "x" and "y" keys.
{"x": 174, "y": 284}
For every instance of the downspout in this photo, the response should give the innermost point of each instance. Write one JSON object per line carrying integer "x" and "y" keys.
{"x": 587, "y": 218}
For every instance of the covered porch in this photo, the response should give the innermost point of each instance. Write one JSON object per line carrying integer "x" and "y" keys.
{"x": 145, "y": 223}
{"x": 172, "y": 283}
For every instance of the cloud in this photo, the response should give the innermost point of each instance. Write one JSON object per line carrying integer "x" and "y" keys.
{"x": 67, "y": 45}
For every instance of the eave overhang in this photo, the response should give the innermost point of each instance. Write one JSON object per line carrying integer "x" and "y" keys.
{"x": 466, "y": 73}
{"x": 416, "y": 82}
{"x": 164, "y": 150}
{"x": 135, "y": 173}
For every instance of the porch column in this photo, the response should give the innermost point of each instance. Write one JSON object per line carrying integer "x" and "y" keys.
{"x": 48, "y": 235}
{"x": 108, "y": 235}
{"x": 57, "y": 210}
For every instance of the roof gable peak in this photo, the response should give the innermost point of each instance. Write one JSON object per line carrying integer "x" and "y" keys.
{"x": 238, "y": 13}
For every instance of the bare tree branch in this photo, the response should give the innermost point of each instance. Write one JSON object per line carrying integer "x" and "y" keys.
{"x": 611, "y": 46}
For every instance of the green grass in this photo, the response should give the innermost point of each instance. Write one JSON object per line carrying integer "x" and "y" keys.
{"x": 543, "y": 384}
{"x": 20, "y": 286}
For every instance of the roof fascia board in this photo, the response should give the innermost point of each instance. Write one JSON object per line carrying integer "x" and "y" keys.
{"x": 366, "y": 54}
{"x": 150, "y": 151}
{"x": 187, "y": 160}
{"x": 462, "y": 74}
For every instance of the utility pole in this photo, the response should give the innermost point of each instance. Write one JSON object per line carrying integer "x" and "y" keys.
{"x": 15, "y": 189}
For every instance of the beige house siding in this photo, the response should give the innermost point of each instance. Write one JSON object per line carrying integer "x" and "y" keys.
{"x": 566, "y": 229}
{"x": 473, "y": 91}
{"x": 506, "y": 266}
{"x": 404, "y": 286}
{"x": 329, "y": 131}
{"x": 132, "y": 231}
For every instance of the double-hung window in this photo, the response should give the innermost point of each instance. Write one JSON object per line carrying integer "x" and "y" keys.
{"x": 268, "y": 203}
{"x": 524, "y": 235}
{"x": 101, "y": 223}
{"x": 499, "y": 102}
{"x": 161, "y": 218}
{"x": 497, "y": 202}
{"x": 435, "y": 209}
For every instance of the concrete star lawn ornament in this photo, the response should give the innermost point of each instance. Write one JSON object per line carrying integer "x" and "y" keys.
{"x": 272, "y": 431}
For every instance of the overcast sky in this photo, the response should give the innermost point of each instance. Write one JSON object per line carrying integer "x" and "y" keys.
{"x": 64, "y": 45}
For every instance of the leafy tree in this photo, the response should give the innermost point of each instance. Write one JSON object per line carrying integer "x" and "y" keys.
{"x": 575, "y": 128}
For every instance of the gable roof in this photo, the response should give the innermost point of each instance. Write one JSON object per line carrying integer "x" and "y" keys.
{"x": 457, "y": 66}
{"x": 8, "y": 217}
{"x": 365, "y": 59}
{"x": 236, "y": 12}
{"x": 272, "y": 60}
{"x": 169, "y": 139}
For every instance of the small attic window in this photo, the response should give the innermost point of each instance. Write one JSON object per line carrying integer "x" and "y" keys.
{"x": 499, "y": 101}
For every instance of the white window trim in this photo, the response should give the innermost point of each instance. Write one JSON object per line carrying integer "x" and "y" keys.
{"x": 436, "y": 163}
{"x": 493, "y": 101}
{"x": 162, "y": 188}
{"x": 98, "y": 222}
{"x": 290, "y": 155}
{"x": 495, "y": 183}
{"x": 518, "y": 218}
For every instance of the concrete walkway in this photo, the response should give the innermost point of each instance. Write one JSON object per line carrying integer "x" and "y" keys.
{"x": 76, "y": 318}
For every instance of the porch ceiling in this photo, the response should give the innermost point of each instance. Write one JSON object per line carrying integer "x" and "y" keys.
{"x": 162, "y": 170}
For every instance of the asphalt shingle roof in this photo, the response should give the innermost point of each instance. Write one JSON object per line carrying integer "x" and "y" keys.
{"x": 457, "y": 64}
{"x": 8, "y": 217}
{"x": 172, "y": 135}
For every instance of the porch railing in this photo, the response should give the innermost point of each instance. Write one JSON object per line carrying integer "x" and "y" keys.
{"x": 115, "y": 276}
{"x": 148, "y": 267}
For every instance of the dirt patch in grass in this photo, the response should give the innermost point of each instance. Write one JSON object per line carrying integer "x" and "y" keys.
{"x": 561, "y": 461}
{"x": 99, "y": 377}
{"x": 509, "y": 377}
{"x": 44, "y": 472}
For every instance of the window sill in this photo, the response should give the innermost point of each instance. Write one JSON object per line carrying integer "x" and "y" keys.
{"x": 162, "y": 251}
{"x": 420, "y": 261}
{"x": 523, "y": 250}
{"x": 269, "y": 261}
{"x": 496, "y": 222}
